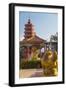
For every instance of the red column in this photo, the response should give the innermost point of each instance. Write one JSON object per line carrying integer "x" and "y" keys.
{"x": 28, "y": 53}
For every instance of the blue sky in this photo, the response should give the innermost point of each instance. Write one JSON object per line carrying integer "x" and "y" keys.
{"x": 45, "y": 24}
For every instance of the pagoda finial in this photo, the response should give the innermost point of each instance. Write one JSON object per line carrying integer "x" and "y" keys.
{"x": 29, "y": 20}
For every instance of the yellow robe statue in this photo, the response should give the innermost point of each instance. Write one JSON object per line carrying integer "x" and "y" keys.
{"x": 49, "y": 63}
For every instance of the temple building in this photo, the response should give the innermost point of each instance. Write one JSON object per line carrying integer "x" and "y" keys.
{"x": 30, "y": 41}
{"x": 53, "y": 43}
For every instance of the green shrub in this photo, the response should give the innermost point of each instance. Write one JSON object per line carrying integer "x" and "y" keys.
{"x": 30, "y": 64}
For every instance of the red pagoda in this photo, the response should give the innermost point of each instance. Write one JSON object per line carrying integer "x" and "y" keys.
{"x": 30, "y": 41}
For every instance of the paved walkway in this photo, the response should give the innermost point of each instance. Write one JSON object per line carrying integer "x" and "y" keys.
{"x": 25, "y": 73}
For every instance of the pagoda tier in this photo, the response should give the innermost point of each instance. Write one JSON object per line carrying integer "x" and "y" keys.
{"x": 29, "y": 30}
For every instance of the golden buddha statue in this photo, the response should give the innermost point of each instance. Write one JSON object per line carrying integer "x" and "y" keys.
{"x": 49, "y": 63}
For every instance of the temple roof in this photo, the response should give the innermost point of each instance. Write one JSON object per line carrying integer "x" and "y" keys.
{"x": 33, "y": 40}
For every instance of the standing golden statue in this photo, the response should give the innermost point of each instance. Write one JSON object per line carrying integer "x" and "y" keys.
{"x": 49, "y": 63}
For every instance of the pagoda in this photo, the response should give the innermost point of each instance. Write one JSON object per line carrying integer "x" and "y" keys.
{"x": 29, "y": 30}
{"x": 30, "y": 41}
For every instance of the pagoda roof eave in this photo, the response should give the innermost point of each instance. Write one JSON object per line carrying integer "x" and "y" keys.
{"x": 34, "y": 40}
